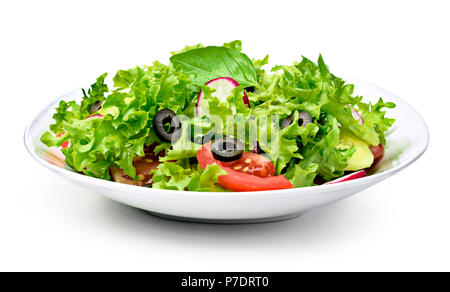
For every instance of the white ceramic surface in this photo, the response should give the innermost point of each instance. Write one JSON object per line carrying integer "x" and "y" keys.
{"x": 406, "y": 142}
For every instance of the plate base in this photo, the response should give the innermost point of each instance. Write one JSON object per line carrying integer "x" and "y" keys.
{"x": 226, "y": 221}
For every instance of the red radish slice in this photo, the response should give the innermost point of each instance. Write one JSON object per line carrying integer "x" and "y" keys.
{"x": 95, "y": 116}
{"x": 54, "y": 156}
{"x": 351, "y": 176}
{"x": 356, "y": 115}
{"x": 223, "y": 87}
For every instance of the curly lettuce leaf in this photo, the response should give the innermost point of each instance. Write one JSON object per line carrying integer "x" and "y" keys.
{"x": 188, "y": 48}
{"x": 287, "y": 142}
{"x": 324, "y": 152}
{"x": 235, "y": 45}
{"x": 184, "y": 147}
{"x": 184, "y": 177}
{"x": 308, "y": 82}
{"x": 126, "y": 126}
{"x": 300, "y": 177}
{"x": 67, "y": 111}
{"x": 95, "y": 94}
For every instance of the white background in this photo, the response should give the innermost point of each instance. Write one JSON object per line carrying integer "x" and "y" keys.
{"x": 50, "y": 47}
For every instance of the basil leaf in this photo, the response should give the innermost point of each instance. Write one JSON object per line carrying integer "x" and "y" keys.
{"x": 204, "y": 64}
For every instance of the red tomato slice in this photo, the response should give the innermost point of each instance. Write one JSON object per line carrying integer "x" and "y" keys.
{"x": 378, "y": 152}
{"x": 252, "y": 163}
{"x": 253, "y": 172}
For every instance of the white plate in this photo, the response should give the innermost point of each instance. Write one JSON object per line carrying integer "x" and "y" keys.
{"x": 406, "y": 142}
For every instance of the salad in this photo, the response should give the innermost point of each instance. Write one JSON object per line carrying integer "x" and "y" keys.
{"x": 213, "y": 119}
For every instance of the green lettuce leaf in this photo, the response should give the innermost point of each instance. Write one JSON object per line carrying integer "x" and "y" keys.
{"x": 324, "y": 152}
{"x": 188, "y": 48}
{"x": 67, "y": 111}
{"x": 96, "y": 94}
{"x": 300, "y": 177}
{"x": 235, "y": 45}
{"x": 126, "y": 128}
{"x": 184, "y": 177}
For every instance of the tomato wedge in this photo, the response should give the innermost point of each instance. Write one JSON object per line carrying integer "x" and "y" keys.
{"x": 252, "y": 172}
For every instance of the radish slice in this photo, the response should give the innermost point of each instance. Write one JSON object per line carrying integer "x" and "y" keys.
{"x": 356, "y": 115}
{"x": 223, "y": 87}
{"x": 351, "y": 176}
{"x": 95, "y": 116}
{"x": 54, "y": 156}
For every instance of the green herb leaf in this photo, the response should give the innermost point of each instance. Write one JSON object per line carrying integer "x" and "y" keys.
{"x": 204, "y": 64}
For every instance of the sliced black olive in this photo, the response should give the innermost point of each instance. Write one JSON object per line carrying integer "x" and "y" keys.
{"x": 227, "y": 149}
{"x": 250, "y": 89}
{"x": 96, "y": 106}
{"x": 304, "y": 119}
{"x": 167, "y": 125}
{"x": 287, "y": 121}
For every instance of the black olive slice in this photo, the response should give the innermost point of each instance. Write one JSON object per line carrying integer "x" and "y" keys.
{"x": 167, "y": 125}
{"x": 304, "y": 119}
{"x": 250, "y": 89}
{"x": 227, "y": 149}
{"x": 287, "y": 121}
{"x": 95, "y": 107}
